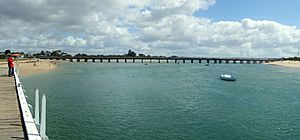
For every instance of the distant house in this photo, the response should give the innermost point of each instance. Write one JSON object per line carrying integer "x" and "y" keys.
{"x": 18, "y": 54}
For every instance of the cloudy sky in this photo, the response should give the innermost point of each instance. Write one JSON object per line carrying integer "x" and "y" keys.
{"x": 218, "y": 28}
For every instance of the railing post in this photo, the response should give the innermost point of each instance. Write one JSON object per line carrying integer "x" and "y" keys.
{"x": 43, "y": 119}
{"x": 37, "y": 109}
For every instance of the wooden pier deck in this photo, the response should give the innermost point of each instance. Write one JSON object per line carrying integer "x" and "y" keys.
{"x": 10, "y": 116}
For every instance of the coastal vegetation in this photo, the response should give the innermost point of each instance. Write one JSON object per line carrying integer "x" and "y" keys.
{"x": 61, "y": 54}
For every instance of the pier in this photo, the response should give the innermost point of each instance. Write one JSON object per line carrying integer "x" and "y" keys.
{"x": 126, "y": 59}
{"x": 16, "y": 120}
{"x": 10, "y": 117}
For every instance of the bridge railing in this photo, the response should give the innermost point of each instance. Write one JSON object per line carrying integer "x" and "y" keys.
{"x": 33, "y": 129}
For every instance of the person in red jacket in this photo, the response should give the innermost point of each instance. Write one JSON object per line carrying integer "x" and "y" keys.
{"x": 10, "y": 62}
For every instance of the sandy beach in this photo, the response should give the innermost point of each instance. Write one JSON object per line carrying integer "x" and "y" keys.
{"x": 286, "y": 63}
{"x": 30, "y": 67}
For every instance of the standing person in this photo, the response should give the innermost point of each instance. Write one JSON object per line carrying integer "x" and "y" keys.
{"x": 10, "y": 62}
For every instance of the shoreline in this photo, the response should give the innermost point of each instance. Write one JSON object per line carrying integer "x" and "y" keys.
{"x": 32, "y": 66}
{"x": 286, "y": 63}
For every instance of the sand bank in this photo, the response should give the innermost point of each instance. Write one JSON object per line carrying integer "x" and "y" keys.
{"x": 34, "y": 66}
{"x": 286, "y": 63}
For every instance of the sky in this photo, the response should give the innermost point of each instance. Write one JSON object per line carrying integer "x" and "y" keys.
{"x": 284, "y": 12}
{"x": 198, "y": 28}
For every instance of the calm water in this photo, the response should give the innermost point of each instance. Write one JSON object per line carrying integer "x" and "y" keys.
{"x": 169, "y": 101}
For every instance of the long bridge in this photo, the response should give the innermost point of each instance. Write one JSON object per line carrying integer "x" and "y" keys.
{"x": 127, "y": 59}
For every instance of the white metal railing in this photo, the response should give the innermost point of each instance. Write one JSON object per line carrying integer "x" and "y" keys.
{"x": 34, "y": 129}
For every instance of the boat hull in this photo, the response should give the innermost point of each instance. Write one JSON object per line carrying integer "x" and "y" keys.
{"x": 228, "y": 79}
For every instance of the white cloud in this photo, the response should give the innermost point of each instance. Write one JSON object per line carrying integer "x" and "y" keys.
{"x": 159, "y": 27}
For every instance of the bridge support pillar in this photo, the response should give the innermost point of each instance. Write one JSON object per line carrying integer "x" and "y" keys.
{"x": 71, "y": 60}
{"x": 142, "y": 60}
{"x": 175, "y": 60}
{"x": 125, "y": 60}
{"x": 117, "y": 60}
{"x": 78, "y": 60}
{"x": 93, "y": 60}
{"x": 192, "y": 60}
{"x": 108, "y": 60}
{"x": 241, "y": 61}
{"x": 199, "y": 60}
{"x": 167, "y": 60}
{"x": 220, "y": 61}
{"x": 215, "y": 61}
{"x": 207, "y": 61}
{"x": 183, "y": 60}
{"x": 227, "y": 61}
{"x": 101, "y": 60}
{"x": 234, "y": 61}
{"x": 248, "y": 61}
{"x": 158, "y": 60}
{"x": 133, "y": 60}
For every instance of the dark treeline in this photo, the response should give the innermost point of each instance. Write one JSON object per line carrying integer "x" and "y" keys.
{"x": 59, "y": 53}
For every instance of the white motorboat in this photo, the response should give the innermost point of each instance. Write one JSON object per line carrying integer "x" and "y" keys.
{"x": 227, "y": 77}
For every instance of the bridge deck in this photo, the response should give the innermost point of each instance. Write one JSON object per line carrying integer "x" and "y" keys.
{"x": 10, "y": 117}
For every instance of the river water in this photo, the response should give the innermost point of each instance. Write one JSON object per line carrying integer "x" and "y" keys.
{"x": 169, "y": 101}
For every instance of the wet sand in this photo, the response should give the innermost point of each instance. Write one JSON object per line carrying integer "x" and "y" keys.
{"x": 286, "y": 63}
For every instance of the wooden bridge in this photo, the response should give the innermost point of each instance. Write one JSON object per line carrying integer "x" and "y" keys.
{"x": 124, "y": 59}
{"x": 10, "y": 115}
{"x": 16, "y": 121}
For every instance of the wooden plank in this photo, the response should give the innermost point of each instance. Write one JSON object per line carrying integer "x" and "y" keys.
{"x": 10, "y": 117}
